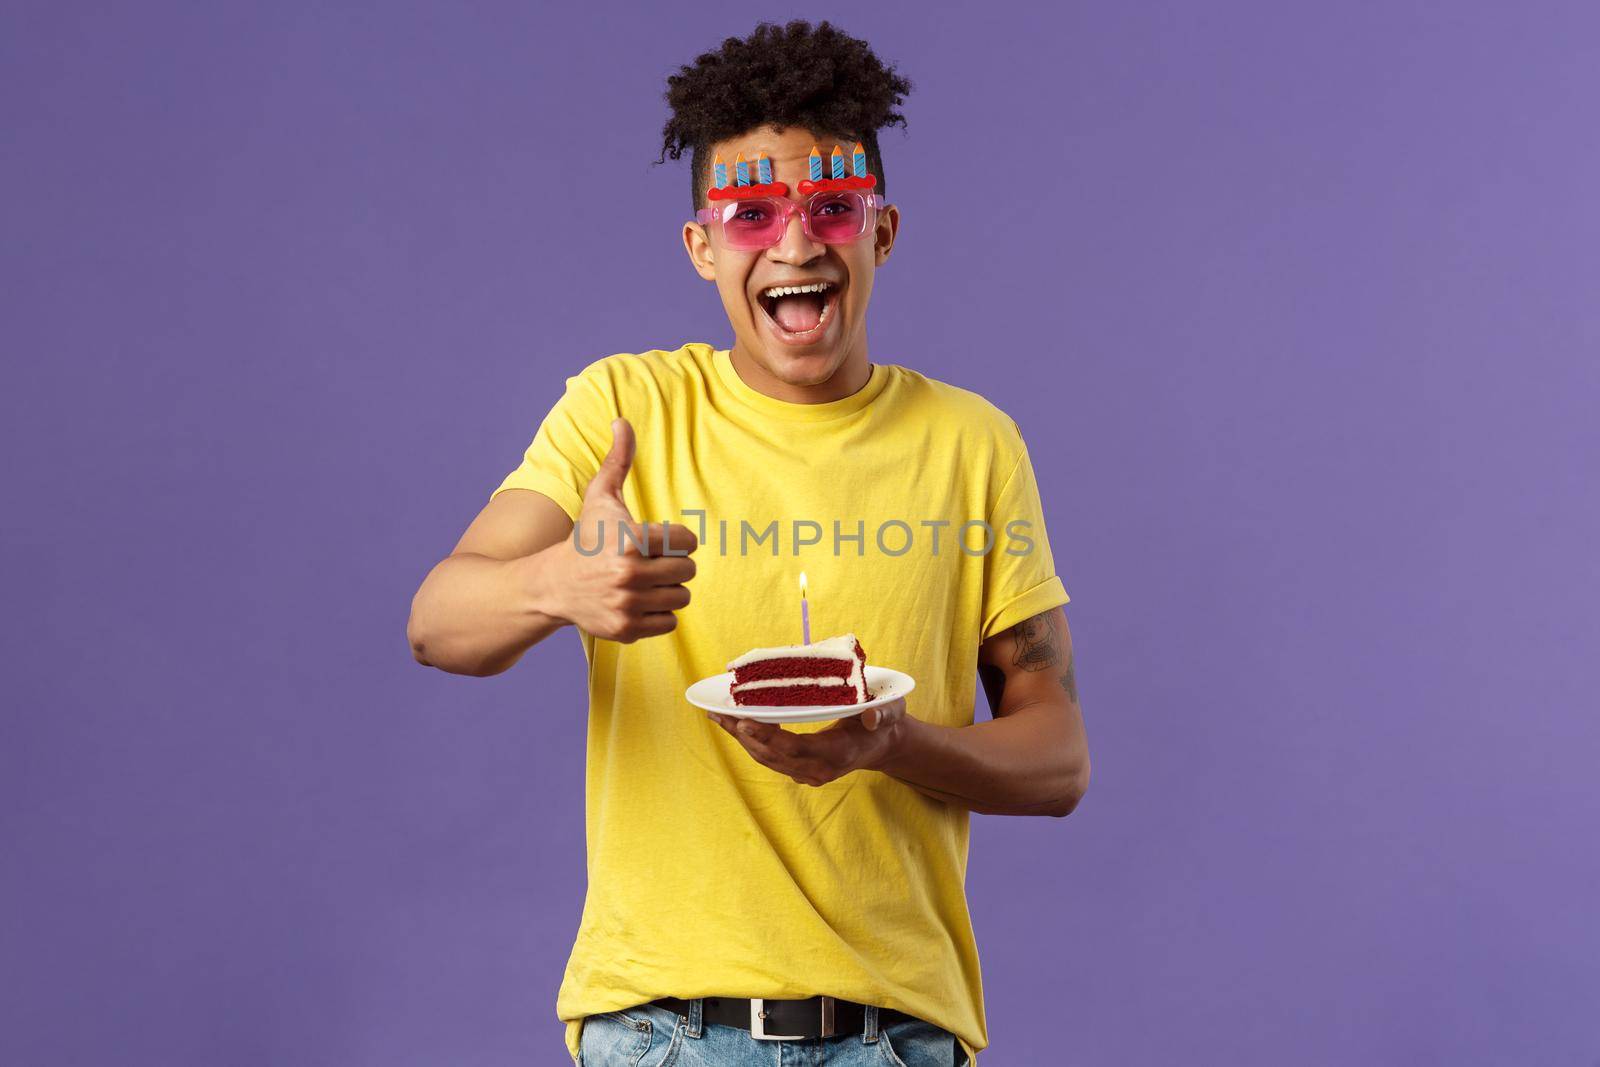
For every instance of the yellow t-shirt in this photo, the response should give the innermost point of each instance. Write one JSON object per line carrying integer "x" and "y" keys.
{"x": 709, "y": 873}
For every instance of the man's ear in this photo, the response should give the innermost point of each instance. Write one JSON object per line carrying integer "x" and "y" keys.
{"x": 883, "y": 236}
{"x": 698, "y": 245}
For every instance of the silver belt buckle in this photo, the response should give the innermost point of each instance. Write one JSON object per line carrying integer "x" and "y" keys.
{"x": 758, "y": 1022}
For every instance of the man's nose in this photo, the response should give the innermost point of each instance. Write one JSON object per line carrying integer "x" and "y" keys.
{"x": 796, "y": 248}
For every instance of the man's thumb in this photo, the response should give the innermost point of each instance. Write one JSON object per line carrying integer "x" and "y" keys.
{"x": 614, "y": 468}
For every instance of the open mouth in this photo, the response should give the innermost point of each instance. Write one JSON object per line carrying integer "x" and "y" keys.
{"x": 799, "y": 314}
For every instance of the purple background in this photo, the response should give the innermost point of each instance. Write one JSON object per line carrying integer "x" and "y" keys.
{"x": 1304, "y": 347}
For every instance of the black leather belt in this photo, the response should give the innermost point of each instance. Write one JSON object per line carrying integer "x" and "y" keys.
{"x": 786, "y": 1020}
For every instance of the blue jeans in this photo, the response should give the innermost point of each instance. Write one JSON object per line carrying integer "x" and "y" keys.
{"x": 649, "y": 1035}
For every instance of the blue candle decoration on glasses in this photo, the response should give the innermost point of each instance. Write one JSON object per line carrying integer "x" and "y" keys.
{"x": 741, "y": 170}
{"x": 838, "y": 162}
{"x": 720, "y": 170}
{"x": 763, "y": 169}
{"x": 816, "y": 164}
{"x": 858, "y": 160}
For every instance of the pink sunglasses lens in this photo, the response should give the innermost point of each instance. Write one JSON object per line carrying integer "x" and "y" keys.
{"x": 751, "y": 224}
{"x": 838, "y": 217}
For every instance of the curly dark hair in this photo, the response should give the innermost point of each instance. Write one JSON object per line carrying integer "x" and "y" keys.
{"x": 816, "y": 78}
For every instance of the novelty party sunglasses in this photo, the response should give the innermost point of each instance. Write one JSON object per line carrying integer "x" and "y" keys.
{"x": 830, "y": 216}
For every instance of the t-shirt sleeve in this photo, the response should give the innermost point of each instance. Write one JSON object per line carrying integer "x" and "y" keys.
{"x": 570, "y": 444}
{"x": 1020, "y": 578}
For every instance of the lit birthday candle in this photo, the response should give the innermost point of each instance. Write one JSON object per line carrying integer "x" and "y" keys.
{"x": 741, "y": 170}
{"x": 858, "y": 161}
{"x": 838, "y": 162}
{"x": 720, "y": 171}
{"x": 763, "y": 169}
{"x": 805, "y": 612}
{"x": 816, "y": 164}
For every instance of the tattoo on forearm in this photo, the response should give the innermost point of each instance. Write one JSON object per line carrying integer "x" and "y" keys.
{"x": 1038, "y": 644}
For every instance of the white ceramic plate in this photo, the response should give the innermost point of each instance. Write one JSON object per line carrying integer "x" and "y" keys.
{"x": 883, "y": 685}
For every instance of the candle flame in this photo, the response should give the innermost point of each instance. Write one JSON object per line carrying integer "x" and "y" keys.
{"x": 802, "y": 583}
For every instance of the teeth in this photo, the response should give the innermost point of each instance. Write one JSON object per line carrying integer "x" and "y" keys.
{"x": 821, "y": 321}
{"x": 791, "y": 290}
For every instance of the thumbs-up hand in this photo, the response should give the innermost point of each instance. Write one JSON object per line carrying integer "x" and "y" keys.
{"x": 630, "y": 588}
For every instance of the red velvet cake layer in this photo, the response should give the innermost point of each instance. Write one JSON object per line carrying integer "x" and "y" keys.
{"x": 790, "y": 696}
{"x": 792, "y": 667}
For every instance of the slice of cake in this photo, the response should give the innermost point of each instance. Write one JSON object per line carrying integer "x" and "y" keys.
{"x": 824, "y": 672}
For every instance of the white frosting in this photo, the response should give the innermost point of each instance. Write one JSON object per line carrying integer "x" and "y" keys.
{"x": 842, "y": 647}
{"x": 769, "y": 683}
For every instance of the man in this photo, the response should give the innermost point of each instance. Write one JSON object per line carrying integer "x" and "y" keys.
{"x": 754, "y": 885}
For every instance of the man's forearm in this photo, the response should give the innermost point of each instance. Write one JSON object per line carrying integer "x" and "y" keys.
{"x": 1024, "y": 763}
{"x": 477, "y": 615}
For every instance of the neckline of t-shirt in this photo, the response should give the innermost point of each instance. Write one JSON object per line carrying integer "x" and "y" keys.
{"x": 786, "y": 409}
